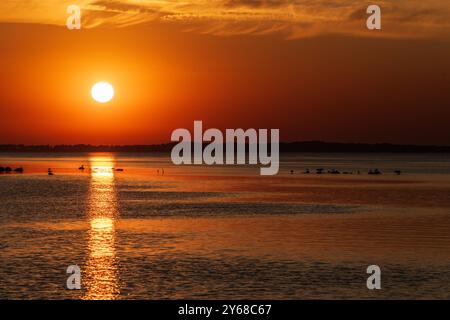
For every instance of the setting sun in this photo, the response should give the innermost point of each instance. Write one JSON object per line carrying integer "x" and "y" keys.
{"x": 102, "y": 92}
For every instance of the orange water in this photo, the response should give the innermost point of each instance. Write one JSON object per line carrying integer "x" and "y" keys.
{"x": 201, "y": 232}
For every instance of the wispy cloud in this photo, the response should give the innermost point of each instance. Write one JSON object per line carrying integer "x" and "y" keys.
{"x": 290, "y": 18}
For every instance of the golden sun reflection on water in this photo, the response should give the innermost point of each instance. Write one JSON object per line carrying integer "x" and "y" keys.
{"x": 101, "y": 277}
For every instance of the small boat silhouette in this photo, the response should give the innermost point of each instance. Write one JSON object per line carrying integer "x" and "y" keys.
{"x": 19, "y": 170}
{"x": 82, "y": 167}
{"x": 398, "y": 172}
{"x": 319, "y": 171}
{"x": 306, "y": 171}
{"x": 50, "y": 172}
{"x": 119, "y": 169}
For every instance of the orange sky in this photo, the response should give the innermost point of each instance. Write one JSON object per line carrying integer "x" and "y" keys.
{"x": 282, "y": 67}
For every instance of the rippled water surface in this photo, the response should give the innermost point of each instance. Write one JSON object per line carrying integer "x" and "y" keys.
{"x": 157, "y": 231}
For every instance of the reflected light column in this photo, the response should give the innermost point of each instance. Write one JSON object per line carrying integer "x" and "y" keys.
{"x": 101, "y": 277}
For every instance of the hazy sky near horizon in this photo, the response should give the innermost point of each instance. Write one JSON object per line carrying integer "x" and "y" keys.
{"x": 309, "y": 68}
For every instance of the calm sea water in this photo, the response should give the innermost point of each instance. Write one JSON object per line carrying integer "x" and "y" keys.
{"x": 158, "y": 231}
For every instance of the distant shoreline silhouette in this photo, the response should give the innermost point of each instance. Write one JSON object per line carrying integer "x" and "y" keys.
{"x": 285, "y": 147}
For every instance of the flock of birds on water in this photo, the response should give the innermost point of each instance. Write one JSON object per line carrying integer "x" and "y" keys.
{"x": 334, "y": 171}
{"x": 9, "y": 169}
{"x": 49, "y": 171}
{"x": 319, "y": 171}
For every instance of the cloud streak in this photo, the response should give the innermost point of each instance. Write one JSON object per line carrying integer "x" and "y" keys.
{"x": 289, "y": 18}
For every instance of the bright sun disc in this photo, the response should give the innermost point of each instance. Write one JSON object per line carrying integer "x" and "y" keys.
{"x": 102, "y": 92}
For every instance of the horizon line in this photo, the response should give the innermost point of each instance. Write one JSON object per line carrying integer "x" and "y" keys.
{"x": 285, "y": 146}
{"x": 175, "y": 142}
